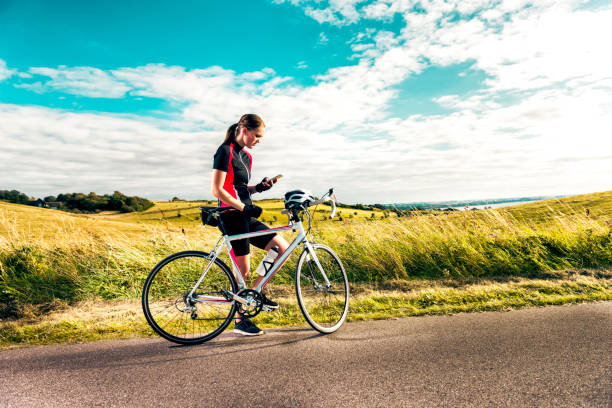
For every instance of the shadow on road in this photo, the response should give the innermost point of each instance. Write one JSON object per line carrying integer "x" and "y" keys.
{"x": 125, "y": 353}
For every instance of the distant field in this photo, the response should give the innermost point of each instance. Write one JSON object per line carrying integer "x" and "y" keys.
{"x": 52, "y": 261}
{"x": 186, "y": 213}
{"x": 174, "y": 216}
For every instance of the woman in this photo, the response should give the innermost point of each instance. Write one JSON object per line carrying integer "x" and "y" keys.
{"x": 231, "y": 175}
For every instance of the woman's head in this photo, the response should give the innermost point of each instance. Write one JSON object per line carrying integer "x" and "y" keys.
{"x": 248, "y": 131}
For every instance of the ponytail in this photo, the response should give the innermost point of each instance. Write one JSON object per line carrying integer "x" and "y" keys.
{"x": 230, "y": 135}
{"x": 249, "y": 121}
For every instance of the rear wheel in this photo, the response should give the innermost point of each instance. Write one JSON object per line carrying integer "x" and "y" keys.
{"x": 181, "y": 318}
{"x": 325, "y": 306}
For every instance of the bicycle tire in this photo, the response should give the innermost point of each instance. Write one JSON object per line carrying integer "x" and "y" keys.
{"x": 164, "y": 295}
{"x": 325, "y": 309}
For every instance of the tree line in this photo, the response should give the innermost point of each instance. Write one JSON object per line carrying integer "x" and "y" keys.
{"x": 385, "y": 208}
{"x": 80, "y": 202}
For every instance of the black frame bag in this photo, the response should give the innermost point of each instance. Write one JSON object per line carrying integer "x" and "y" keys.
{"x": 208, "y": 218}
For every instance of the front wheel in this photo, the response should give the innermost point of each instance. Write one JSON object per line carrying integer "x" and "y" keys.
{"x": 177, "y": 314}
{"x": 324, "y": 305}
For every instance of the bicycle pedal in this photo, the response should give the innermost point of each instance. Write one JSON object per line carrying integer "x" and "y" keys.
{"x": 267, "y": 308}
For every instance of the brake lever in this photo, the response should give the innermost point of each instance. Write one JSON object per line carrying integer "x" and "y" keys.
{"x": 333, "y": 205}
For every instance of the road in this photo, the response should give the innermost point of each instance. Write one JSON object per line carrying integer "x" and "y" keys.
{"x": 554, "y": 356}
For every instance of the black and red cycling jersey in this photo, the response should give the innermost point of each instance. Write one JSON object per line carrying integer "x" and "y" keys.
{"x": 237, "y": 162}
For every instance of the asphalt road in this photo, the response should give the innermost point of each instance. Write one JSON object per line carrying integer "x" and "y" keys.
{"x": 554, "y": 356}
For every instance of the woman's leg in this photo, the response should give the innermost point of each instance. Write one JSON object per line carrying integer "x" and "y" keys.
{"x": 243, "y": 264}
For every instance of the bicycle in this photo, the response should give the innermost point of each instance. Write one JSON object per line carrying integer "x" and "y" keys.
{"x": 191, "y": 296}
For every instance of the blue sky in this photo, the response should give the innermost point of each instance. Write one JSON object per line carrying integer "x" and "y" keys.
{"x": 387, "y": 100}
{"x": 244, "y": 36}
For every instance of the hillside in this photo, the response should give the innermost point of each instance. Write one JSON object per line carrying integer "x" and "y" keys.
{"x": 594, "y": 205}
{"x": 38, "y": 224}
{"x": 25, "y": 223}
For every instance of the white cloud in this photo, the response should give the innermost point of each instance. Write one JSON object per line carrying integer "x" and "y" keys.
{"x": 381, "y": 10}
{"x": 49, "y": 151}
{"x": 255, "y": 76}
{"x": 322, "y": 15}
{"x": 323, "y": 39}
{"x": 336, "y": 12}
{"x": 46, "y": 151}
{"x": 5, "y": 73}
{"x": 82, "y": 152}
{"x": 371, "y": 43}
{"x": 86, "y": 81}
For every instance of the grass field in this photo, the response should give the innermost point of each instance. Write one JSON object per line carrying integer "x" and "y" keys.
{"x": 62, "y": 275}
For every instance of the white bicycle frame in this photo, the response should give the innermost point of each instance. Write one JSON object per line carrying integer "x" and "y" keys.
{"x": 226, "y": 242}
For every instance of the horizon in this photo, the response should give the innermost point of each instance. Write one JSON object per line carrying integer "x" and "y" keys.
{"x": 447, "y": 201}
{"x": 385, "y": 100}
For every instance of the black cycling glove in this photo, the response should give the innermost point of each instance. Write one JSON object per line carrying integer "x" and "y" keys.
{"x": 262, "y": 187}
{"x": 251, "y": 210}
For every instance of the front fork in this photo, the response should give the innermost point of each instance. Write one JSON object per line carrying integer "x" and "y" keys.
{"x": 310, "y": 253}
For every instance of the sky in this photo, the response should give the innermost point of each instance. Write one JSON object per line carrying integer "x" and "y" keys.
{"x": 387, "y": 101}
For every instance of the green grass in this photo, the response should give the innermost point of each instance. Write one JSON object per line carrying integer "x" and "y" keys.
{"x": 90, "y": 321}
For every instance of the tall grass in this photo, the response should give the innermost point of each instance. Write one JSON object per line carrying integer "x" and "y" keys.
{"x": 483, "y": 243}
{"x": 76, "y": 261}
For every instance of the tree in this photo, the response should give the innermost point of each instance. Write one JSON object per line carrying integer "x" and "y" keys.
{"x": 116, "y": 201}
{"x": 94, "y": 202}
{"x": 14, "y": 196}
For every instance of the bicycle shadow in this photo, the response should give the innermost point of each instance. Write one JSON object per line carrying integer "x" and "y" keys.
{"x": 231, "y": 339}
{"x": 125, "y": 353}
{"x": 257, "y": 343}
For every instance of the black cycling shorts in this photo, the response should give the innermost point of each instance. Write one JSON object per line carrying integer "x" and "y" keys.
{"x": 239, "y": 224}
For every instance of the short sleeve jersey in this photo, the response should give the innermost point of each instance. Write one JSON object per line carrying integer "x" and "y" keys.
{"x": 233, "y": 159}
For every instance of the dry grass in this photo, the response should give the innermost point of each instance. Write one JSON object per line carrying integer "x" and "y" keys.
{"x": 51, "y": 261}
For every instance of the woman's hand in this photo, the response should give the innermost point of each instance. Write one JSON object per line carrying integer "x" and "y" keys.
{"x": 265, "y": 185}
{"x": 251, "y": 210}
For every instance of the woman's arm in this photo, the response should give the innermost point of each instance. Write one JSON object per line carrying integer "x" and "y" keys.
{"x": 266, "y": 183}
{"x": 219, "y": 192}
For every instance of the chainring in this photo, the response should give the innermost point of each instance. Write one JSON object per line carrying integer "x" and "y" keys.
{"x": 255, "y": 300}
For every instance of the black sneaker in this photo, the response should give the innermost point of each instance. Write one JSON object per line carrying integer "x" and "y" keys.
{"x": 247, "y": 328}
{"x": 268, "y": 304}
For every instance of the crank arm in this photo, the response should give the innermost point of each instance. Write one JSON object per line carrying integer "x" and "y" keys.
{"x": 235, "y": 297}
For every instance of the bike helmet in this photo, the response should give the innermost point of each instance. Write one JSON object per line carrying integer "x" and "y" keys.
{"x": 296, "y": 198}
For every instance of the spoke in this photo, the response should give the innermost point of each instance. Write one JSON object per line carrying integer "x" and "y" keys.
{"x": 168, "y": 321}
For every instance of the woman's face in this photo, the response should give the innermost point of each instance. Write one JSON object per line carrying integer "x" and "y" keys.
{"x": 252, "y": 137}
